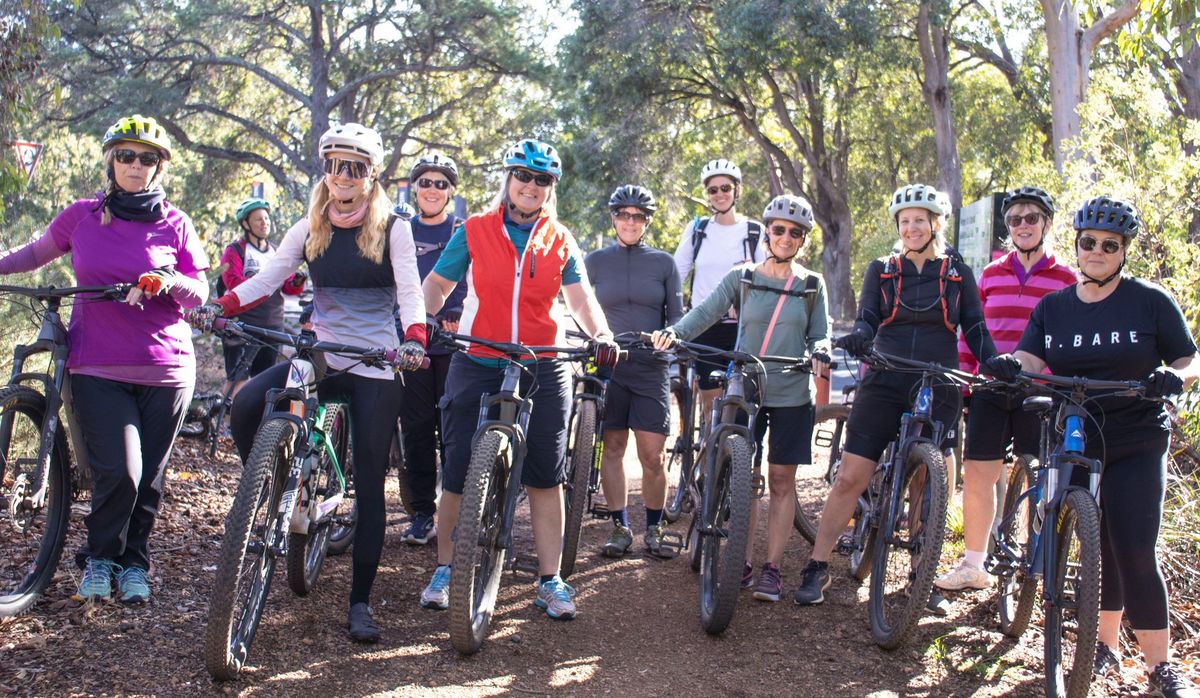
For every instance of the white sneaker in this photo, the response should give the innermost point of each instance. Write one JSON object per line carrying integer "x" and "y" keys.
{"x": 437, "y": 595}
{"x": 963, "y": 577}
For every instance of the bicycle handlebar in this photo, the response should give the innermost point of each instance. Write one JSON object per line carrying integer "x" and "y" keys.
{"x": 798, "y": 363}
{"x": 515, "y": 352}
{"x": 112, "y": 292}
{"x": 1075, "y": 383}
{"x": 371, "y": 357}
{"x": 892, "y": 362}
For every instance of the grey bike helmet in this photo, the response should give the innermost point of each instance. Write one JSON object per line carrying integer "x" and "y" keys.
{"x": 787, "y": 207}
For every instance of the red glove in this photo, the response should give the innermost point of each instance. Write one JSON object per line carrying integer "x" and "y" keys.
{"x": 156, "y": 281}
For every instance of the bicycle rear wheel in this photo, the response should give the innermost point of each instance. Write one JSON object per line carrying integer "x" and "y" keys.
{"x": 478, "y": 553}
{"x": 31, "y": 542}
{"x": 814, "y": 480}
{"x": 1018, "y": 590}
{"x": 909, "y": 546}
{"x": 579, "y": 469}
{"x": 1073, "y": 593}
{"x": 247, "y": 561}
{"x": 681, "y": 458}
{"x": 341, "y": 530}
{"x": 306, "y": 551}
{"x": 724, "y": 549}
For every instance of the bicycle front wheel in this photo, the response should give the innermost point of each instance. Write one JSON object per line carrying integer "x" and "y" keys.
{"x": 478, "y": 552}
{"x": 247, "y": 560}
{"x": 908, "y": 546}
{"x": 1073, "y": 597}
{"x": 1018, "y": 590}
{"x": 31, "y": 540}
{"x": 579, "y": 469}
{"x": 814, "y": 480}
{"x": 306, "y": 551}
{"x": 724, "y": 548}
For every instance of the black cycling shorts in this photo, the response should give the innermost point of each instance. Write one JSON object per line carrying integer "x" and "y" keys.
{"x": 995, "y": 419}
{"x": 546, "y": 439}
{"x": 638, "y": 397}
{"x": 722, "y": 335}
{"x": 882, "y": 399}
{"x": 790, "y": 441}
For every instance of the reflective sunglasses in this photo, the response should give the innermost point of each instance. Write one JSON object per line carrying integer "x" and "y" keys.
{"x": 781, "y": 230}
{"x": 1029, "y": 218}
{"x": 353, "y": 169}
{"x": 627, "y": 216}
{"x": 439, "y": 184}
{"x": 722, "y": 188}
{"x": 1087, "y": 243}
{"x": 125, "y": 156}
{"x": 525, "y": 177}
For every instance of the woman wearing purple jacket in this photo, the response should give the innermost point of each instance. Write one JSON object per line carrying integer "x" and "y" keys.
{"x": 132, "y": 365}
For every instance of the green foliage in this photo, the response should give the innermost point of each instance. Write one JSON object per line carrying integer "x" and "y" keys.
{"x": 24, "y": 28}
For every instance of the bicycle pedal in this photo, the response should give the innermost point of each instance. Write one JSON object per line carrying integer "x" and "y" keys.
{"x": 687, "y": 505}
{"x": 845, "y": 546}
{"x": 671, "y": 543}
{"x": 758, "y": 486}
{"x": 601, "y": 512}
{"x": 523, "y": 564}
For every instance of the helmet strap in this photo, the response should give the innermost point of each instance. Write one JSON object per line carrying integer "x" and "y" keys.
{"x": 1101, "y": 283}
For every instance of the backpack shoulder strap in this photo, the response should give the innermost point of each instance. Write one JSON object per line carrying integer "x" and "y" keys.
{"x": 753, "y": 234}
{"x": 810, "y": 294}
{"x": 698, "y": 237}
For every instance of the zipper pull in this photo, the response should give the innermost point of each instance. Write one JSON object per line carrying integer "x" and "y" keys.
{"x": 532, "y": 265}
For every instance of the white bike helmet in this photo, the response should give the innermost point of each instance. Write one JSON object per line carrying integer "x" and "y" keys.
{"x": 354, "y": 139}
{"x": 717, "y": 167}
{"x": 916, "y": 196}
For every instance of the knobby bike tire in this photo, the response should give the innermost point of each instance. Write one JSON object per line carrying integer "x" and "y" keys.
{"x": 30, "y": 549}
{"x": 247, "y": 562}
{"x": 306, "y": 551}
{"x": 864, "y": 535}
{"x": 579, "y": 469}
{"x": 341, "y": 533}
{"x": 1018, "y": 590}
{"x": 903, "y": 569}
{"x": 695, "y": 549}
{"x": 681, "y": 458}
{"x": 1076, "y": 583}
{"x": 814, "y": 480}
{"x": 215, "y": 425}
{"x": 479, "y": 557}
{"x": 725, "y": 550}
{"x": 397, "y": 460}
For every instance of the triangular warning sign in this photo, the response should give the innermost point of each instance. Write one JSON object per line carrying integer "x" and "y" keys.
{"x": 28, "y": 155}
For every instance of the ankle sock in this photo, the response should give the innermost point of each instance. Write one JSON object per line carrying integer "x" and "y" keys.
{"x": 974, "y": 558}
{"x": 621, "y": 516}
{"x": 544, "y": 578}
{"x": 653, "y": 516}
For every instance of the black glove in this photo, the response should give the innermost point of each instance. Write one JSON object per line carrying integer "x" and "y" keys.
{"x": 450, "y": 315}
{"x": 605, "y": 353}
{"x": 822, "y": 357}
{"x": 855, "y": 343}
{"x": 1004, "y": 367}
{"x": 298, "y": 280}
{"x": 1163, "y": 382}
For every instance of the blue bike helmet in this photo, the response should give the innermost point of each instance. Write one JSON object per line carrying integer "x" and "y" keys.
{"x": 534, "y": 156}
{"x": 1110, "y": 215}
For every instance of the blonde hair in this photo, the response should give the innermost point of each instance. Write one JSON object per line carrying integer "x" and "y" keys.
{"x": 108, "y": 184}
{"x": 549, "y": 206}
{"x": 371, "y": 235}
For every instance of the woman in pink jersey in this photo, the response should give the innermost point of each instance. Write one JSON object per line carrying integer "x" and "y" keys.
{"x": 1009, "y": 288}
{"x": 132, "y": 365}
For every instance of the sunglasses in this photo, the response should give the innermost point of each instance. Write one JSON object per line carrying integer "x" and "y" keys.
{"x": 525, "y": 177}
{"x": 1029, "y": 218}
{"x": 1087, "y": 243}
{"x": 353, "y": 169}
{"x": 627, "y": 216}
{"x": 439, "y": 184}
{"x": 721, "y": 188}
{"x": 125, "y": 156}
{"x": 780, "y": 230}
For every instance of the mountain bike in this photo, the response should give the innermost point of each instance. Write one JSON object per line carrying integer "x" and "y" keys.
{"x": 292, "y": 495}
{"x": 483, "y": 537}
{"x": 38, "y": 479}
{"x": 585, "y": 447}
{"x": 1065, "y": 555}
{"x": 681, "y": 456}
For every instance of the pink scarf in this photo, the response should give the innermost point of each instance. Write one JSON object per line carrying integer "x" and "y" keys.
{"x": 346, "y": 220}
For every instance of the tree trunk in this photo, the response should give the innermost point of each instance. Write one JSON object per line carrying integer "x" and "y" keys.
{"x": 1070, "y": 52}
{"x": 1187, "y": 80}
{"x": 319, "y": 85}
{"x": 933, "y": 40}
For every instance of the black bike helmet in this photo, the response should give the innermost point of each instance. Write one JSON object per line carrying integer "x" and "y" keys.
{"x": 632, "y": 195}
{"x": 434, "y": 162}
{"x": 1028, "y": 194}
{"x": 1110, "y": 215}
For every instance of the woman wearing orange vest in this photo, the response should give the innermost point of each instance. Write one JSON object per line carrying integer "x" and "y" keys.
{"x": 515, "y": 258}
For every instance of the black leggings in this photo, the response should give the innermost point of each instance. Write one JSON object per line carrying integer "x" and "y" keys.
{"x": 1131, "y": 505}
{"x": 374, "y": 407}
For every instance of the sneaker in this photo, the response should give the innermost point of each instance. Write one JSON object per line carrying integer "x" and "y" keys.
{"x": 96, "y": 584}
{"x": 814, "y": 580}
{"x": 362, "y": 626}
{"x": 557, "y": 597}
{"x": 654, "y": 543}
{"x": 938, "y": 605}
{"x": 419, "y": 530}
{"x": 619, "y": 542}
{"x": 436, "y": 596}
{"x": 1106, "y": 662}
{"x": 1167, "y": 682}
{"x": 747, "y": 575}
{"x": 964, "y": 577}
{"x": 133, "y": 586}
{"x": 770, "y": 586}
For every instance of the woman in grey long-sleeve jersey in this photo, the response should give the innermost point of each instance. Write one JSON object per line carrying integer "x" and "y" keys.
{"x": 638, "y": 288}
{"x": 776, "y": 318}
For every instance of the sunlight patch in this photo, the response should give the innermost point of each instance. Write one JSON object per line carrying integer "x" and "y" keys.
{"x": 575, "y": 671}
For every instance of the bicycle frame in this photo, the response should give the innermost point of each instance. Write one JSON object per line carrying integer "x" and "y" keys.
{"x": 512, "y": 421}
{"x": 912, "y": 425}
{"x": 722, "y": 422}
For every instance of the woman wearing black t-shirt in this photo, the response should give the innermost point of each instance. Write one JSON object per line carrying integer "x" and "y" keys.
{"x": 1113, "y": 327}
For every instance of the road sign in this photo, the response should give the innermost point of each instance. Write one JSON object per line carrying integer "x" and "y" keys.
{"x": 28, "y": 155}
